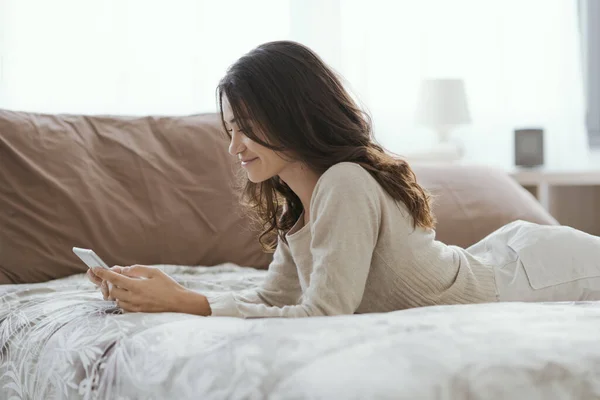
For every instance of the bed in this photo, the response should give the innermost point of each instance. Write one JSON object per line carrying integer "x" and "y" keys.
{"x": 60, "y": 340}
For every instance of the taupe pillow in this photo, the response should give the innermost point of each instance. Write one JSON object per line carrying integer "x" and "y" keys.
{"x": 473, "y": 201}
{"x": 148, "y": 190}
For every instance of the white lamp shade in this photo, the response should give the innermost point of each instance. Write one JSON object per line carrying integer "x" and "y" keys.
{"x": 442, "y": 102}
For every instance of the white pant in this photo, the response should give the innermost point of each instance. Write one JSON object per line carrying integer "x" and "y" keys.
{"x": 543, "y": 263}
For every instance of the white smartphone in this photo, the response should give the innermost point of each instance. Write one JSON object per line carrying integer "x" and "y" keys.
{"x": 90, "y": 258}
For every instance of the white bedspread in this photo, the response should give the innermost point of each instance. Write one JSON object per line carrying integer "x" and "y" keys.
{"x": 60, "y": 340}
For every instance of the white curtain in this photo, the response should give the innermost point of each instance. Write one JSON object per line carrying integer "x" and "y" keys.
{"x": 127, "y": 56}
{"x": 519, "y": 59}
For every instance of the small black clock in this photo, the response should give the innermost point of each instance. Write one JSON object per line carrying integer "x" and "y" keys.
{"x": 529, "y": 147}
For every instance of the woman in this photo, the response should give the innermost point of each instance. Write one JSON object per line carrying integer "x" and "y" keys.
{"x": 354, "y": 230}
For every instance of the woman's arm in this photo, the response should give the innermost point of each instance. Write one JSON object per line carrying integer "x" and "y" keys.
{"x": 158, "y": 292}
{"x": 281, "y": 287}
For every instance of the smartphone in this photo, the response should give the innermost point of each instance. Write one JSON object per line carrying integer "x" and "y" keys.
{"x": 90, "y": 258}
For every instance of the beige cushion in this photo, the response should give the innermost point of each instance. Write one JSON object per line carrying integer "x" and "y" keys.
{"x": 471, "y": 202}
{"x": 136, "y": 190}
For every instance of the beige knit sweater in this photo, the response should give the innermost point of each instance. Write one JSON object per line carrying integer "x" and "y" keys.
{"x": 359, "y": 254}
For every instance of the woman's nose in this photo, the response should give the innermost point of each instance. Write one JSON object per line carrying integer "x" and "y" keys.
{"x": 235, "y": 146}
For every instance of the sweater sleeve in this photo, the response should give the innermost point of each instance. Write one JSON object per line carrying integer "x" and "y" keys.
{"x": 281, "y": 287}
{"x": 345, "y": 221}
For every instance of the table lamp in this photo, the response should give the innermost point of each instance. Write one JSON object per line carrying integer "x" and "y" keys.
{"x": 442, "y": 105}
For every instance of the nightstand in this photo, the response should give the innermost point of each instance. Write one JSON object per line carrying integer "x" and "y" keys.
{"x": 570, "y": 192}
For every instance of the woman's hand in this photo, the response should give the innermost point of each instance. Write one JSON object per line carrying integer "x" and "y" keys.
{"x": 96, "y": 280}
{"x": 155, "y": 292}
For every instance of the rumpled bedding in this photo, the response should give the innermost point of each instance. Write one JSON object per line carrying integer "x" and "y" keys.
{"x": 60, "y": 340}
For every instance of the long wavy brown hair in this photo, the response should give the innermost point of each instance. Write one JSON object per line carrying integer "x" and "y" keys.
{"x": 299, "y": 105}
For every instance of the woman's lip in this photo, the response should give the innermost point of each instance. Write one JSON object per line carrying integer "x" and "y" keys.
{"x": 244, "y": 163}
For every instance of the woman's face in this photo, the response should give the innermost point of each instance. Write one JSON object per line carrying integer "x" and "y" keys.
{"x": 259, "y": 162}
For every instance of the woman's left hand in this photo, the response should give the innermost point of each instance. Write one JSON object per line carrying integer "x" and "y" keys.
{"x": 155, "y": 292}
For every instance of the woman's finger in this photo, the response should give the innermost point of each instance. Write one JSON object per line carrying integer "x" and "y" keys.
{"x": 116, "y": 278}
{"x": 104, "y": 289}
{"x": 121, "y": 294}
{"x": 128, "y": 306}
{"x": 93, "y": 278}
{"x": 140, "y": 271}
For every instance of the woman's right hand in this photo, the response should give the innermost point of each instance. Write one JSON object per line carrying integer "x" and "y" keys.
{"x": 100, "y": 283}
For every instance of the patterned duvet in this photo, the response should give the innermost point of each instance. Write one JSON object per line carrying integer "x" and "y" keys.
{"x": 60, "y": 340}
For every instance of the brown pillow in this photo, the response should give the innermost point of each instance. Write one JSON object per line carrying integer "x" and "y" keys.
{"x": 470, "y": 202}
{"x": 148, "y": 190}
